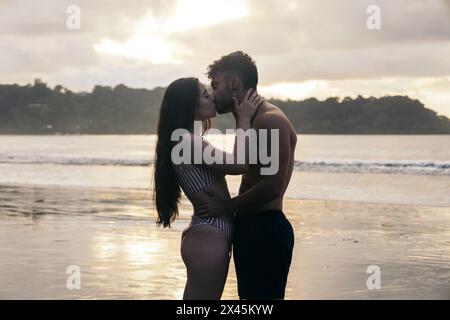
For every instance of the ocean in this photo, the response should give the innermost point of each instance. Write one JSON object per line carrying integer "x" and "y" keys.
{"x": 354, "y": 201}
{"x": 374, "y": 168}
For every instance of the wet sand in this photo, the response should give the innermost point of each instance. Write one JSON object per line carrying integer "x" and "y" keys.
{"x": 111, "y": 235}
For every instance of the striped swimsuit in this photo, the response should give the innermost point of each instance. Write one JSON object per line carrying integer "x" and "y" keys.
{"x": 195, "y": 179}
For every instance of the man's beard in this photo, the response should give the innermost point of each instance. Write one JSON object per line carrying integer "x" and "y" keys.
{"x": 225, "y": 104}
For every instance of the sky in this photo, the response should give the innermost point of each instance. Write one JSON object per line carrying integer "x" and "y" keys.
{"x": 302, "y": 48}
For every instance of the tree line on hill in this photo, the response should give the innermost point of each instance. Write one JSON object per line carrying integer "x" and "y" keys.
{"x": 39, "y": 109}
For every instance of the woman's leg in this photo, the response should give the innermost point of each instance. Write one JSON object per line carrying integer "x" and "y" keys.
{"x": 205, "y": 252}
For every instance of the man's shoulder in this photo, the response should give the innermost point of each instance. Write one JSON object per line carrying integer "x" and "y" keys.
{"x": 272, "y": 117}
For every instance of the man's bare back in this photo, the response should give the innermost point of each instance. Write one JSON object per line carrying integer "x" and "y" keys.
{"x": 271, "y": 117}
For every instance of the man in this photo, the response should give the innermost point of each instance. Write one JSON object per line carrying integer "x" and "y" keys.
{"x": 263, "y": 238}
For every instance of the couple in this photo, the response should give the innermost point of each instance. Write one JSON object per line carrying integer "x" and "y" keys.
{"x": 253, "y": 223}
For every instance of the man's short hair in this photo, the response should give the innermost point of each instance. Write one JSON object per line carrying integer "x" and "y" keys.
{"x": 236, "y": 62}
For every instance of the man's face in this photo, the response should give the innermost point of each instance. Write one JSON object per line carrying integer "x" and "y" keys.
{"x": 223, "y": 96}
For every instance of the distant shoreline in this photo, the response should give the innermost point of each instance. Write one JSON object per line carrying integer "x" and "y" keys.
{"x": 39, "y": 109}
{"x": 151, "y": 134}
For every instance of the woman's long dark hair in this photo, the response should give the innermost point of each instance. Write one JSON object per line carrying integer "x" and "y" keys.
{"x": 177, "y": 112}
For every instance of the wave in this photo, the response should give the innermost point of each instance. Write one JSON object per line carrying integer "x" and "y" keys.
{"x": 71, "y": 160}
{"x": 378, "y": 166}
{"x": 345, "y": 166}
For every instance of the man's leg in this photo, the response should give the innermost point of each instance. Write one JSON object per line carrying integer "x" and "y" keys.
{"x": 263, "y": 247}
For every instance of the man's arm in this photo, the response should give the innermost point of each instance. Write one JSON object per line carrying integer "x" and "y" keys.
{"x": 268, "y": 188}
{"x": 272, "y": 186}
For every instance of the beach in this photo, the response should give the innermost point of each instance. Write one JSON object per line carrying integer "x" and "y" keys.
{"x": 123, "y": 255}
{"x": 85, "y": 202}
{"x": 345, "y": 104}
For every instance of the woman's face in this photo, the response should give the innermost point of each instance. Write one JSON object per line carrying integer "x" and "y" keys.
{"x": 205, "y": 108}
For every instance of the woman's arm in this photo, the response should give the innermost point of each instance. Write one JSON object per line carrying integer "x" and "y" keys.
{"x": 220, "y": 160}
{"x": 268, "y": 188}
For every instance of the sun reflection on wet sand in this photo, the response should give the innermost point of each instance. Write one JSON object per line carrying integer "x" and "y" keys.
{"x": 113, "y": 238}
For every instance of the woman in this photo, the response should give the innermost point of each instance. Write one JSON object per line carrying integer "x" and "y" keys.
{"x": 206, "y": 243}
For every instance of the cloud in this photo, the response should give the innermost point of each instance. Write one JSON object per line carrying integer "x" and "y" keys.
{"x": 105, "y": 17}
{"x": 432, "y": 92}
{"x": 330, "y": 39}
{"x": 292, "y": 41}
